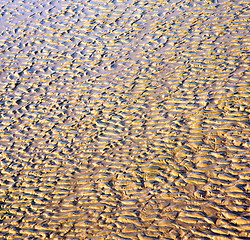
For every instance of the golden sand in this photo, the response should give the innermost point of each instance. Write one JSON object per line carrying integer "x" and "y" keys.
{"x": 124, "y": 119}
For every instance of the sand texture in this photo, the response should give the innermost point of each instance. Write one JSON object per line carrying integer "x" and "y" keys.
{"x": 124, "y": 119}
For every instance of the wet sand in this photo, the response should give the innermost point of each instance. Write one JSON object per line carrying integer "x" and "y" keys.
{"x": 124, "y": 119}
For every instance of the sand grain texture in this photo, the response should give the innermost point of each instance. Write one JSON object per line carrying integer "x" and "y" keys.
{"x": 124, "y": 119}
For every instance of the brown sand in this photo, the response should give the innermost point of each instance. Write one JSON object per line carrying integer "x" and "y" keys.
{"x": 124, "y": 119}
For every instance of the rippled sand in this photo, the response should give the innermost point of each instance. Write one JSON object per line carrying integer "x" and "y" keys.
{"x": 124, "y": 119}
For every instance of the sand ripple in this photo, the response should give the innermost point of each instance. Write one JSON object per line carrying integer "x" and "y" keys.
{"x": 124, "y": 119}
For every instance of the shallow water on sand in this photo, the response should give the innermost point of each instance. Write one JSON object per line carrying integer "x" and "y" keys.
{"x": 124, "y": 119}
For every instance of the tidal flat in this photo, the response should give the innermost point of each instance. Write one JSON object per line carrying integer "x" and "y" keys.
{"x": 124, "y": 119}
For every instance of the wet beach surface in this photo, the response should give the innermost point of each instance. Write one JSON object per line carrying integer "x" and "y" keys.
{"x": 124, "y": 119}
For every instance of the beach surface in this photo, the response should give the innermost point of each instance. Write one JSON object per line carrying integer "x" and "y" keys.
{"x": 124, "y": 119}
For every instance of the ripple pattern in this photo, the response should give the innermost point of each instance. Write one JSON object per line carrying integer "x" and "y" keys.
{"x": 124, "y": 119}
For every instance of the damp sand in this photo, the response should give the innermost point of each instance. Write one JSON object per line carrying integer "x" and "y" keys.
{"x": 124, "y": 120}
